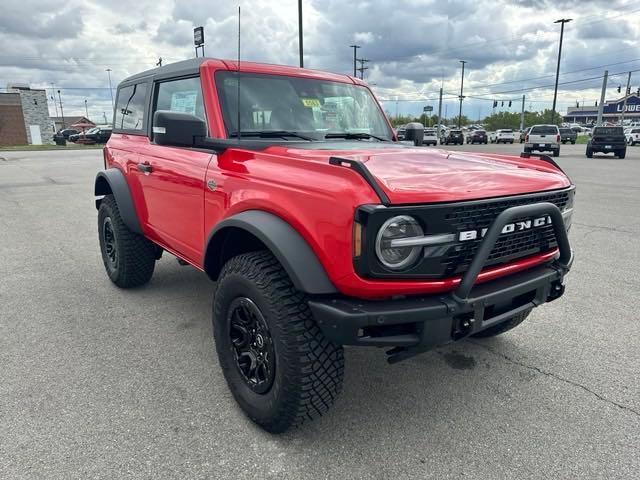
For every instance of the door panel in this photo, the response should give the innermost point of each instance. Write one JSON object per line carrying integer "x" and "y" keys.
{"x": 173, "y": 192}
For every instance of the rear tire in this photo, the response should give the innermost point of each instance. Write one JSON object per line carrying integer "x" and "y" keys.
{"x": 622, "y": 154}
{"x": 304, "y": 370}
{"x": 505, "y": 326}
{"x": 128, "y": 258}
{"x": 527, "y": 150}
{"x": 589, "y": 153}
{"x": 556, "y": 153}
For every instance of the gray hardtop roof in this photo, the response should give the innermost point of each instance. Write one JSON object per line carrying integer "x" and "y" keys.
{"x": 185, "y": 67}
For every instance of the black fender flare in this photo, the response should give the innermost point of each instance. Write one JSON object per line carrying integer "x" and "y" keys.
{"x": 113, "y": 181}
{"x": 287, "y": 245}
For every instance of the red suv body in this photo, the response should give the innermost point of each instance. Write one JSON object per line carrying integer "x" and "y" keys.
{"x": 388, "y": 245}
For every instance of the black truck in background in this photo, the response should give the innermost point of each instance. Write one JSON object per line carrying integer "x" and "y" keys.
{"x": 607, "y": 140}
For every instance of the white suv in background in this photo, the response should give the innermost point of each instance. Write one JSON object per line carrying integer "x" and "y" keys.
{"x": 633, "y": 135}
{"x": 502, "y": 136}
{"x": 543, "y": 138}
{"x": 430, "y": 136}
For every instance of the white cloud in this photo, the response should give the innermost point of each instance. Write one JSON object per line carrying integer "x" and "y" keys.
{"x": 414, "y": 45}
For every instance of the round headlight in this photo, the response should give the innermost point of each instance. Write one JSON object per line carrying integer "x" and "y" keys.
{"x": 396, "y": 228}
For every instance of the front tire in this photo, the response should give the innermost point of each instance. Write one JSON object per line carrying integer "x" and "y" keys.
{"x": 282, "y": 370}
{"x": 128, "y": 258}
{"x": 505, "y": 326}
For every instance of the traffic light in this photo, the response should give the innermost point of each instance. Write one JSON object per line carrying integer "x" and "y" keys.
{"x": 577, "y": 104}
{"x": 503, "y": 103}
{"x": 495, "y": 103}
{"x": 638, "y": 91}
{"x": 619, "y": 88}
{"x": 509, "y": 103}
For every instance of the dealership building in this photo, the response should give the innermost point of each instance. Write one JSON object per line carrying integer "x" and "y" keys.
{"x": 611, "y": 111}
{"x": 24, "y": 116}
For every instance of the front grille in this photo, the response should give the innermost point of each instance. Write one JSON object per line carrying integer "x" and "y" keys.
{"x": 509, "y": 246}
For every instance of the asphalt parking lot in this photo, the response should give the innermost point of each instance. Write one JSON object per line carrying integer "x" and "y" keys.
{"x": 97, "y": 382}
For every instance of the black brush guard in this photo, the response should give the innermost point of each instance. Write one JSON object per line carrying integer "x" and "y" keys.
{"x": 416, "y": 324}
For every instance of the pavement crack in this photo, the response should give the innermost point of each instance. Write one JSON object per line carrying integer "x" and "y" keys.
{"x": 602, "y": 227}
{"x": 557, "y": 377}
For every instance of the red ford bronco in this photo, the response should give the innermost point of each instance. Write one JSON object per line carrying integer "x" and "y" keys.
{"x": 288, "y": 188}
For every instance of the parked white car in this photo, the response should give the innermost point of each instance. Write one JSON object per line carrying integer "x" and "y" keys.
{"x": 633, "y": 135}
{"x": 430, "y": 136}
{"x": 502, "y": 136}
{"x": 543, "y": 138}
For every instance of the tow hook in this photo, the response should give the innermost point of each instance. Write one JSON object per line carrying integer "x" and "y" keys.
{"x": 557, "y": 289}
{"x": 462, "y": 325}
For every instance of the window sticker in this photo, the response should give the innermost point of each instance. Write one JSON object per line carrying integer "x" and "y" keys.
{"x": 310, "y": 102}
{"x": 184, "y": 102}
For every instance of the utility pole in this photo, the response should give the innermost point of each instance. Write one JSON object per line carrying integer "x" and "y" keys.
{"x": 626, "y": 95}
{"x": 86, "y": 109}
{"x": 355, "y": 49}
{"x": 522, "y": 115}
{"x": 562, "y": 21}
{"x": 440, "y": 113}
{"x": 461, "y": 96}
{"x": 53, "y": 98}
{"x": 61, "y": 111}
{"x": 602, "y": 94}
{"x": 110, "y": 89}
{"x": 362, "y": 67}
{"x": 300, "y": 49}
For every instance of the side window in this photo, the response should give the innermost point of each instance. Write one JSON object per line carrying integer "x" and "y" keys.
{"x": 184, "y": 95}
{"x": 130, "y": 107}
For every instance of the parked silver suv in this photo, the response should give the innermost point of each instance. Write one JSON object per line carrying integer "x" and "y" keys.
{"x": 543, "y": 138}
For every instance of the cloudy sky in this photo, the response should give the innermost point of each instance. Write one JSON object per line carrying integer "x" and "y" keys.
{"x": 413, "y": 45}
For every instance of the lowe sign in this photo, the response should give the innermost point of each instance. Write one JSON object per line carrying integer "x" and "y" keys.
{"x": 618, "y": 106}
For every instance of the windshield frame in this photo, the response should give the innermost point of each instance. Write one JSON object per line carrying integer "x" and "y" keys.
{"x": 389, "y": 134}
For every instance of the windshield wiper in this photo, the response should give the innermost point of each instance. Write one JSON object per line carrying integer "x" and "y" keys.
{"x": 272, "y": 134}
{"x": 355, "y": 136}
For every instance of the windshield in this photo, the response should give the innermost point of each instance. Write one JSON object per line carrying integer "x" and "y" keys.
{"x": 311, "y": 107}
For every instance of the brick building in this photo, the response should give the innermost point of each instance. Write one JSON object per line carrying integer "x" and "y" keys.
{"x": 24, "y": 116}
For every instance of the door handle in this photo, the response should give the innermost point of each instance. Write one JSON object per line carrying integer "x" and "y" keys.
{"x": 145, "y": 167}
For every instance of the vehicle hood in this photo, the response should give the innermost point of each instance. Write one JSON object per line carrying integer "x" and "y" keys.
{"x": 423, "y": 175}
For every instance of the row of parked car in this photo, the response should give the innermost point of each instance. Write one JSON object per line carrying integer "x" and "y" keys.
{"x": 99, "y": 134}
{"x": 538, "y": 138}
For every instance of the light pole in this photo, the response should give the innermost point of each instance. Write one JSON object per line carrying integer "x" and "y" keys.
{"x": 300, "y": 33}
{"x": 61, "y": 111}
{"x": 461, "y": 96}
{"x": 562, "y": 21}
{"x": 110, "y": 89}
{"x": 355, "y": 49}
{"x": 53, "y": 98}
{"x": 86, "y": 110}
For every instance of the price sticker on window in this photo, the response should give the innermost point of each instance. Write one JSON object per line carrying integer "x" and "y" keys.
{"x": 310, "y": 102}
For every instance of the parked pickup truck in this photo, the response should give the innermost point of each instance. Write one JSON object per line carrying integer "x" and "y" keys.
{"x": 607, "y": 140}
{"x": 568, "y": 135}
{"x": 285, "y": 186}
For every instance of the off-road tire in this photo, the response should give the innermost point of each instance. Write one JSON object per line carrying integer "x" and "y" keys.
{"x": 505, "y": 326}
{"x": 135, "y": 255}
{"x": 308, "y": 368}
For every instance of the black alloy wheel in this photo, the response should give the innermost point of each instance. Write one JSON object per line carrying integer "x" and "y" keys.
{"x": 110, "y": 244}
{"x": 252, "y": 344}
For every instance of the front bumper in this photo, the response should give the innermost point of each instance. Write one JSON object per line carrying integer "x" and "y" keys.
{"x": 416, "y": 324}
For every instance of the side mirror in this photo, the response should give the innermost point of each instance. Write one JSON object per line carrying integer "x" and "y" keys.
{"x": 414, "y": 132}
{"x": 177, "y": 128}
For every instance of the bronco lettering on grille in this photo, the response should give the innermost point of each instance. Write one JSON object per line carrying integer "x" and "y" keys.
{"x": 508, "y": 228}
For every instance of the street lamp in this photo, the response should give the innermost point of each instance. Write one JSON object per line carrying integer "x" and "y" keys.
{"x": 461, "y": 96}
{"x": 562, "y": 21}
{"x": 355, "y": 49}
{"x": 110, "y": 89}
